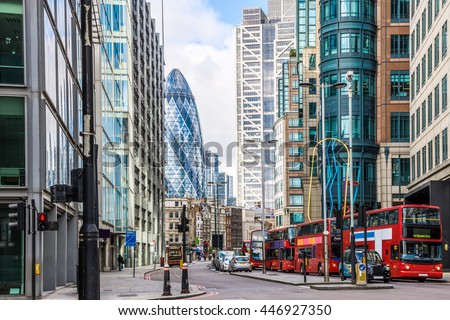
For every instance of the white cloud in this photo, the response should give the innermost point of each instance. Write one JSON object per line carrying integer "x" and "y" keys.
{"x": 202, "y": 48}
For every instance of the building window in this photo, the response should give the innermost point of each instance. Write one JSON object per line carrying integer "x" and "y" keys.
{"x": 424, "y": 69}
{"x": 313, "y": 135}
{"x": 444, "y": 39}
{"x": 350, "y": 8}
{"x": 329, "y": 45}
{"x": 296, "y": 218}
{"x": 295, "y": 166}
{"x": 436, "y": 102}
{"x": 11, "y": 44}
{"x": 424, "y": 160}
{"x": 295, "y": 151}
{"x": 430, "y": 13}
{"x": 430, "y": 108}
{"x": 436, "y": 7}
{"x": 399, "y": 46}
{"x": 368, "y": 44}
{"x": 400, "y": 85}
{"x": 418, "y": 164}
{"x": 12, "y": 142}
{"x": 413, "y": 122}
{"x": 424, "y": 23}
{"x": 437, "y": 149}
{"x": 295, "y": 182}
{"x": 413, "y": 165}
{"x": 312, "y": 61}
{"x": 312, "y": 110}
{"x": 430, "y": 155}
{"x": 350, "y": 42}
{"x": 430, "y": 60}
{"x": 295, "y": 137}
{"x": 399, "y": 126}
{"x": 399, "y": 10}
{"x": 424, "y": 115}
{"x": 444, "y": 93}
{"x": 400, "y": 171}
{"x": 295, "y": 123}
{"x": 436, "y": 51}
{"x": 444, "y": 144}
{"x": 295, "y": 199}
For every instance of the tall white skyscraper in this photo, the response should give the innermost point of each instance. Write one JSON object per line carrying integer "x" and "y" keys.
{"x": 262, "y": 43}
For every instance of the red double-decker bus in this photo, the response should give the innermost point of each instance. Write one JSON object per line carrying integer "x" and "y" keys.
{"x": 256, "y": 248}
{"x": 309, "y": 242}
{"x": 280, "y": 247}
{"x": 408, "y": 238}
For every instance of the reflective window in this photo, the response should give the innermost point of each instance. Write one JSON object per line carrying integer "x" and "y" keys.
{"x": 11, "y": 42}
{"x": 12, "y": 141}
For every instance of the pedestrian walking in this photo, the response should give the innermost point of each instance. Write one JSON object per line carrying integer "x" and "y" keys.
{"x": 120, "y": 261}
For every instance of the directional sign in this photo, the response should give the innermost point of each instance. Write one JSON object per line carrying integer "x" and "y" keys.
{"x": 362, "y": 267}
{"x": 130, "y": 239}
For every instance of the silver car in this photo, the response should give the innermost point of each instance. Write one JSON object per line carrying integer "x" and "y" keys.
{"x": 240, "y": 263}
{"x": 224, "y": 262}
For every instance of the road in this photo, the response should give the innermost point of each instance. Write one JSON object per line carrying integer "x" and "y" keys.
{"x": 223, "y": 286}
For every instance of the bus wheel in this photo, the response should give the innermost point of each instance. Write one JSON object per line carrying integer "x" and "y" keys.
{"x": 319, "y": 270}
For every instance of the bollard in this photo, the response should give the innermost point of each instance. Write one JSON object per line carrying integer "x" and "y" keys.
{"x": 166, "y": 288}
{"x": 184, "y": 279}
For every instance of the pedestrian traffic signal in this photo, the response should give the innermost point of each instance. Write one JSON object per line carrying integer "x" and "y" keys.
{"x": 17, "y": 218}
{"x": 42, "y": 222}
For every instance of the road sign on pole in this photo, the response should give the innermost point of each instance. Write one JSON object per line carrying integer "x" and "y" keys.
{"x": 130, "y": 239}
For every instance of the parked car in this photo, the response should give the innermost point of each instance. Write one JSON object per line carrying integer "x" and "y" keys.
{"x": 220, "y": 255}
{"x": 240, "y": 263}
{"x": 224, "y": 262}
{"x": 376, "y": 267}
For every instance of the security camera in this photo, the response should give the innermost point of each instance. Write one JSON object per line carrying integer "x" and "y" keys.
{"x": 349, "y": 76}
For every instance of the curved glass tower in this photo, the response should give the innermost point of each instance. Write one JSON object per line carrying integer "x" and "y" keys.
{"x": 348, "y": 43}
{"x": 185, "y": 167}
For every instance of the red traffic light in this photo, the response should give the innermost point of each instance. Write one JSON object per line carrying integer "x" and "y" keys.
{"x": 42, "y": 222}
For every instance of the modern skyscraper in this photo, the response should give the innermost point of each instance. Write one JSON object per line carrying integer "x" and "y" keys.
{"x": 185, "y": 163}
{"x": 261, "y": 46}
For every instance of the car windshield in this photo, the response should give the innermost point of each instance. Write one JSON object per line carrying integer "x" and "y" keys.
{"x": 242, "y": 259}
{"x": 421, "y": 252}
{"x": 372, "y": 256}
{"x": 228, "y": 258}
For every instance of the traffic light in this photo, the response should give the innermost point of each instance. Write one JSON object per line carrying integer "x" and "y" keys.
{"x": 184, "y": 225}
{"x": 17, "y": 218}
{"x": 42, "y": 222}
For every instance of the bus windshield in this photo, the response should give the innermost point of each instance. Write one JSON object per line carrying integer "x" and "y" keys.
{"x": 421, "y": 252}
{"x": 424, "y": 216}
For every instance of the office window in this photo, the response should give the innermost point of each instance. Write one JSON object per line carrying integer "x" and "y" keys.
{"x": 430, "y": 60}
{"x": 295, "y": 122}
{"x": 399, "y": 126}
{"x": 369, "y": 46}
{"x": 418, "y": 79}
{"x": 312, "y": 135}
{"x": 295, "y": 182}
{"x": 313, "y": 88}
{"x": 430, "y": 13}
{"x": 350, "y": 8}
{"x": 329, "y": 10}
{"x": 444, "y": 39}
{"x": 399, "y": 46}
{"x": 430, "y": 108}
{"x": 11, "y": 45}
{"x": 424, "y": 23}
{"x": 413, "y": 122}
{"x": 418, "y": 164}
{"x": 413, "y": 42}
{"x": 400, "y": 85}
{"x": 430, "y": 155}
{"x": 413, "y": 85}
{"x": 400, "y": 171}
{"x": 295, "y": 151}
{"x": 12, "y": 142}
{"x": 444, "y": 144}
{"x": 295, "y": 137}
{"x": 295, "y": 199}
{"x": 312, "y": 61}
{"x": 418, "y": 35}
{"x": 436, "y": 102}
{"x": 444, "y": 93}
{"x": 312, "y": 110}
{"x": 295, "y": 166}
{"x": 437, "y": 150}
{"x": 413, "y": 167}
{"x": 329, "y": 44}
{"x": 437, "y": 7}
{"x": 350, "y": 42}
{"x": 424, "y": 115}
{"x": 424, "y": 69}
{"x": 436, "y": 51}
{"x": 424, "y": 160}
{"x": 418, "y": 121}
{"x": 400, "y": 10}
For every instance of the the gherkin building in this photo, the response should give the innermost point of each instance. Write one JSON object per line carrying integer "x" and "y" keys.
{"x": 185, "y": 165}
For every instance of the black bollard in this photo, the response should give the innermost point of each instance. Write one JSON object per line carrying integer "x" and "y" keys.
{"x": 166, "y": 289}
{"x": 184, "y": 279}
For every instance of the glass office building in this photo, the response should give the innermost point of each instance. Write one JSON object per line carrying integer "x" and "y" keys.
{"x": 185, "y": 157}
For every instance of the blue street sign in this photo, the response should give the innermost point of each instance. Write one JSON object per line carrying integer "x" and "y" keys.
{"x": 362, "y": 267}
{"x": 130, "y": 239}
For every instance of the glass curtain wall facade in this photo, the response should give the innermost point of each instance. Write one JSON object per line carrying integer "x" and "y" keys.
{"x": 185, "y": 163}
{"x": 348, "y": 43}
{"x": 117, "y": 183}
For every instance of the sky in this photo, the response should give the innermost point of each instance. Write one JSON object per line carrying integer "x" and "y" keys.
{"x": 199, "y": 41}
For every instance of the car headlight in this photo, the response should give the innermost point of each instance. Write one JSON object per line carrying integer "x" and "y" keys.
{"x": 387, "y": 268}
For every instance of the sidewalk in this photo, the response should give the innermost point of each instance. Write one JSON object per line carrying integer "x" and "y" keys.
{"x": 121, "y": 285}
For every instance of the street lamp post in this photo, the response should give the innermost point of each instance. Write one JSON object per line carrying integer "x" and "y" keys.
{"x": 349, "y": 78}
{"x": 338, "y": 85}
{"x": 263, "y": 209}
{"x": 216, "y": 184}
